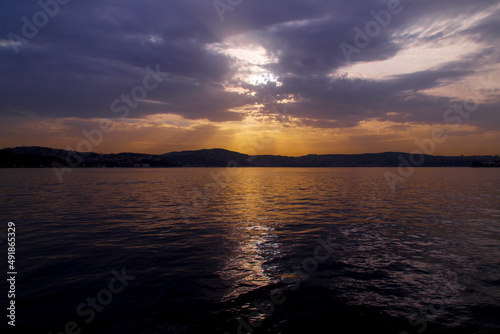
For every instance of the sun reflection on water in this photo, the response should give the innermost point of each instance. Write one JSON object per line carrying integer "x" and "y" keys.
{"x": 246, "y": 267}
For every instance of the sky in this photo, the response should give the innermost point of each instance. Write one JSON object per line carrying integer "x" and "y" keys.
{"x": 287, "y": 77}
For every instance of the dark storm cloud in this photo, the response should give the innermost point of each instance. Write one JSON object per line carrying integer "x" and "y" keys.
{"x": 91, "y": 52}
{"x": 348, "y": 101}
{"x": 305, "y": 56}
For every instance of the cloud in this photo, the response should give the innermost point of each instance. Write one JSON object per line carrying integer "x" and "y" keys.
{"x": 92, "y": 52}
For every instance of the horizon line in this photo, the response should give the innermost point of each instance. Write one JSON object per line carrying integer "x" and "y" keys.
{"x": 218, "y": 148}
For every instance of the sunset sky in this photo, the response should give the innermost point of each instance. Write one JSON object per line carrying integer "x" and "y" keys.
{"x": 287, "y": 77}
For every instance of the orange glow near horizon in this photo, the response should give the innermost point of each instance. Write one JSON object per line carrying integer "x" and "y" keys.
{"x": 166, "y": 133}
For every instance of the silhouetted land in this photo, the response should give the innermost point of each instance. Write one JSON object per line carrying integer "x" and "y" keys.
{"x": 34, "y": 156}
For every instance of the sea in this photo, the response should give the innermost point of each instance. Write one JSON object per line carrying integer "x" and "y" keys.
{"x": 251, "y": 250}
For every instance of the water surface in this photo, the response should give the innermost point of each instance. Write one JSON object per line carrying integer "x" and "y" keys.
{"x": 207, "y": 247}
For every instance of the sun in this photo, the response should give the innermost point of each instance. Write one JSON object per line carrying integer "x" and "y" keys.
{"x": 251, "y": 60}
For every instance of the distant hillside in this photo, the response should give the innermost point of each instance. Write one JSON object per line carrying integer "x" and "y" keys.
{"x": 34, "y": 156}
{"x": 10, "y": 158}
{"x": 221, "y": 158}
{"x": 216, "y": 157}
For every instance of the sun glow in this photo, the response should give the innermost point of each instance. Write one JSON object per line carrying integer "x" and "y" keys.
{"x": 250, "y": 60}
